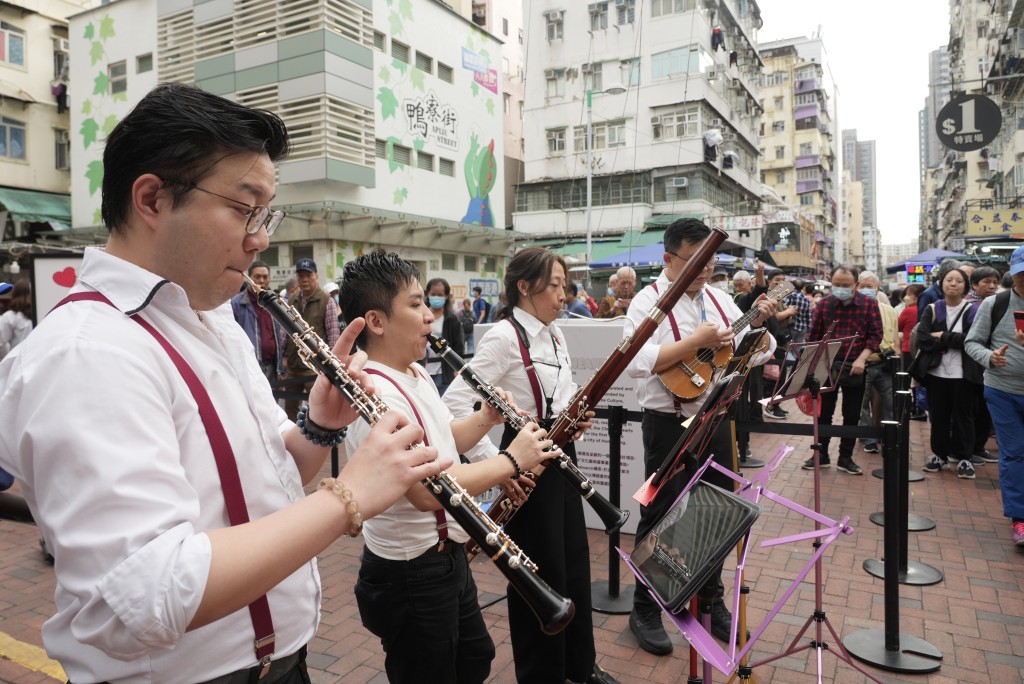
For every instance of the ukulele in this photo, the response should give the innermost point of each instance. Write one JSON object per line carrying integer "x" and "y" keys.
{"x": 690, "y": 377}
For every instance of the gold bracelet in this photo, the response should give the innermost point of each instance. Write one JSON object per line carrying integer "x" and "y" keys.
{"x": 339, "y": 488}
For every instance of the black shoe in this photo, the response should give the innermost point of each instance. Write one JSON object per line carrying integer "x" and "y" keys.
{"x": 649, "y": 632}
{"x": 47, "y": 556}
{"x": 775, "y": 413}
{"x": 809, "y": 463}
{"x": 870, "y": 448}
{"x": 601, "y": 677}
{"x": 721, "y": 621}
{"x": 847, "y": 465}
{"x": 920, "y": 415}
{"x": 986, "y": 456}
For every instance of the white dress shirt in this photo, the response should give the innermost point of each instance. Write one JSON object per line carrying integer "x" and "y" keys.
{"x": 403, "y": 532}
{"x": 651, "y": 392}
{"x": 118, "y": 471}
{"x": 498, "y": 360}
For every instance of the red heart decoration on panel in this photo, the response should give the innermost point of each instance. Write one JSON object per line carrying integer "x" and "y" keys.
{"x": 65, "y": 278}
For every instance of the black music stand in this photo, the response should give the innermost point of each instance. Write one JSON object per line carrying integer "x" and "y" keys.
{"x": 812, "y": 377}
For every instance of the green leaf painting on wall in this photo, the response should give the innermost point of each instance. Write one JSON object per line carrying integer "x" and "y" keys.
{"x": 98, "y": 107}
{"x": 416, "y": 77}
{"x": 96, "y": 52}
{"x": 90, "y": 31}
{"x": 109, "y": 123}
{"x": 395, "y": 22}
{"x": 88, "y": 130}
{"x": 94, "y": 173}
{"x": 100, "y": 84}
{"x": 405, "y": 8}
{"x": 388, "y": 102}
{"x": 400, "y": 195}
{"x": 106, "y": 27}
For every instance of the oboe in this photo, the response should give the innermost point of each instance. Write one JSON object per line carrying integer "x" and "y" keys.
{"x": 553, "y": 611}
{"x": 612, "y": 517}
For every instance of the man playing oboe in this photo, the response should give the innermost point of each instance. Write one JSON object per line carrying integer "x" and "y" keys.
{"x": 700, "y": 319}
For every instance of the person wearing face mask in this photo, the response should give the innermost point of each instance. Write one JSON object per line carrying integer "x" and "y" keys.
{"x": 720, "y": 279}
{"x": 855, "y": 315}
{"x": 877, "y": 404}
{"x": 447, "y": 325}
{"x": 905, "y": 322}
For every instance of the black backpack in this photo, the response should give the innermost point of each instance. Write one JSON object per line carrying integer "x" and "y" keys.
{"x": 467, "y": 322}
{"x": 999, "y": 307}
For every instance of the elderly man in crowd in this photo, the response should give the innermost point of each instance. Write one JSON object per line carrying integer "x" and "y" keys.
{"x": 617, "y": 304}
{"x": 877, "y": 405}
{"x": 741, "y": 283}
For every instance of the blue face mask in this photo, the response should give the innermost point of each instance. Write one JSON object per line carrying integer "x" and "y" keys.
{"x": 437, "y": 302}
{"x": 843, "y": 294}
{"x": 869, "y": 292}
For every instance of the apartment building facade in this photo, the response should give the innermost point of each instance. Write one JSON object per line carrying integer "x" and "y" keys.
{"x": 859, "y": 161}
{"x": 671, "y": 90}
{"x": 397, "y": 136}
{"x": 799, "y": 155}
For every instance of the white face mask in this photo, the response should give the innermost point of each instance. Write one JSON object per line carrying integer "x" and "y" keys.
{"x": 722, "y": 285}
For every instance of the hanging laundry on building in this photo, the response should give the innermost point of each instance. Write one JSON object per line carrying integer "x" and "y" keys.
{"x": 717, "y": 39}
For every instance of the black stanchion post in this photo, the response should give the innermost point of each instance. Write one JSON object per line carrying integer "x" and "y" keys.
{"x": 334, "y": 461}
{"x": 606, "y": 596}
{"x": 888, "y": 649}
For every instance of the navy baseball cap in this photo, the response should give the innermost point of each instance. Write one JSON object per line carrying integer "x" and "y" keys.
{"x": 5, "y": 288}
{"x": 1017, "y": 261}
{"x": 305, "y": 265}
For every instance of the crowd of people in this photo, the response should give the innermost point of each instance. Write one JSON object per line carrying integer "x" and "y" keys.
{"x": 185, "y": 545}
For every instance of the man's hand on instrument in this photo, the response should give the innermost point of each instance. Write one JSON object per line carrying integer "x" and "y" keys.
{"x": 491, "y": 415}
{"x": 710, "y": 334}
{"x": 766, "y": 309}
{"x": 328, "y": 408}
{"x": 384, "y": 467}
{"x": 529, "y": 445}
{"x": 583, "y": 425}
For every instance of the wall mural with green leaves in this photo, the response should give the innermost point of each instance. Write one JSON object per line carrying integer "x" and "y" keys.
{"x": 99, "y": 107}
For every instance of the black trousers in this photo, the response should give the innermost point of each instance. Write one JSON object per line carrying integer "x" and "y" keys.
{"x": 982, "y": 419}
{"x": 551, "y": 530}
{"x": 661, "y": 434}
{"x": 951, "y": 404}
{"x": 853, "y": 398}
{"x": 427, "y": 616}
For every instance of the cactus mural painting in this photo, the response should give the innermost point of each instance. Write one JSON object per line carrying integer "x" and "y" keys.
{"x": 481, "y": 175}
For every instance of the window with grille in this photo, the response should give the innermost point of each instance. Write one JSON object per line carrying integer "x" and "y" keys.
{"x": 555, "y": 79}
{"x": 470, "y": 263}
{"x": 626, "y": 11}
{"x": 593, "y": 79}
{"x": 780, "y": 176}
{"x": 399, "y": 51}
{"x": 381, "y": 148}
{"x": 630, "y": 72}
{"x": 661, "y": 8}
{"x": 555, "y": 24}
{"x": 445, "y": 73}
{"x": 449, "y": 262}
{"x": 778, "y": 126}
{"x": 425, "y": 161}
{"x": 556, "y": 140}
{"x": 117, "y": 77}
{"x": 379, "y": 41}
{"x": 806, "y": 148}
{"x": 598, "y": 16}
{"x": 447, "y": 167}
{"x": 681, "y": 123}
{"x": 780, "y": 102}
{"x": 780, "y": 152}
{"x": 62, "y": 150}
{"x": 490, "y": 264}
{"x": 424, "y": 63}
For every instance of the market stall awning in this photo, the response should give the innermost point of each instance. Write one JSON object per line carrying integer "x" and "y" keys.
{"x": 929, "y": 256}
{"x": 36, "y": 207}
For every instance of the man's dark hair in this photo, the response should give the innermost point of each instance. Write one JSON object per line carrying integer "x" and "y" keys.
{"x": 478, "y": 290}
{"x": 852, "y": 270}
{"x": 809, "y": 287}
{"x": 573, "y": 289}
{"x": 688, "y": 230}
{"x": 179, "y": 133}
{"x": 774, "y": 272}
{"x": 798, "y": 284}
{"x": 371, "y": 282}
{"x": 980, "y": 274}
{"x": 257, "y": 264}
{"x": 447, "y": 288}
{"x": 1007, "y": 282}
{"x": 21, "y": 298}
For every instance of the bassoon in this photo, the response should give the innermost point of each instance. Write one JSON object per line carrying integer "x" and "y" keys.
{"x": 587, "y": 397}
{"x": 553, "y": 611}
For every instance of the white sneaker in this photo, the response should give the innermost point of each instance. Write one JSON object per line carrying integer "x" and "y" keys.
{"x": 935, "y": 464}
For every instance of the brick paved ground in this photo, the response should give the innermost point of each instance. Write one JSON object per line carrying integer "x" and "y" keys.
{"x": 975, "y": 616}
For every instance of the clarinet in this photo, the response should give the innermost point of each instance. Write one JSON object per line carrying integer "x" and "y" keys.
{"x": 612, "y": 517}
{"x": 553, "y": 611}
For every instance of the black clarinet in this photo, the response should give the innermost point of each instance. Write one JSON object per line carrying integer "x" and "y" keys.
{"x": 553, "y": 611}
{"x": 612, "y": 516}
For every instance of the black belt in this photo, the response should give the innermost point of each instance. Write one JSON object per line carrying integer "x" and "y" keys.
{"x": 445, "y": 547}
{"x": 664, "y": 414}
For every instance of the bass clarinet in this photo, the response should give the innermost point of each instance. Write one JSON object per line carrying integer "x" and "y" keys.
{"x": 553, "y": 611}
{"x": 612, "y": 516}
{"x": 587, "y": 397}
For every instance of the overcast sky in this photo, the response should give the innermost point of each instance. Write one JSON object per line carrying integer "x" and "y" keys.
{"x": 878, "y": 53}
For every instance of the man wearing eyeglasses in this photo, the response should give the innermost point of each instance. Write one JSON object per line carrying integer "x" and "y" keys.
{"x": 321, "y": 312}
{"x": 701, "y": 319}
{"x": 146, "y": 438}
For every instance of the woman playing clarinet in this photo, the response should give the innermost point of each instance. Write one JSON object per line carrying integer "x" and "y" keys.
{"x": 527, "y": 357}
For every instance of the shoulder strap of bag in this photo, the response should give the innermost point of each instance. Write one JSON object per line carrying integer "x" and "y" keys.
{"x": 227, "y": 467}
{"x": 999, "y": 307}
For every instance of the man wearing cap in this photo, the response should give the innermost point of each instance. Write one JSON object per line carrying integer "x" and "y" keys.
{"x": 720, "y": 279}
{"x": 257, "y": 323}
{"x": 320, "y": 311}
{"x": 998, "y": 345}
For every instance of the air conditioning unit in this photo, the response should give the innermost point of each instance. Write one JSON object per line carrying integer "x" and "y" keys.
{"x": 553, "y": 15}
{"x": 736, "y": 83}
{"x": 620, "y": 3}
{"x": 550, "y": 73}
{"x": 680, "y": 182}
{"x": 712, "y": 74}
{"x": 655, "y": 120}
{"x": 714, "y": 123}
{"x": 61, "y": 45}
{"x": 595, "y": 7}
{"x": 586, "y": 68}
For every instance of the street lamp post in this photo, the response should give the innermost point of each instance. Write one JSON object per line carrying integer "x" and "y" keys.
{"x": 614, "y": 89}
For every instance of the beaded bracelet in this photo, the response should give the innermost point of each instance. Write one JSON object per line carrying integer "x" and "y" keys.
{"x": 515, "y": 464}
{"x": 339, "y": 488}
{"x": 316, "y": 434}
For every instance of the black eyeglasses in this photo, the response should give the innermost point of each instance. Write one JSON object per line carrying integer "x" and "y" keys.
{"x": 710, "y": 264}
{"x": 259, "y": 215}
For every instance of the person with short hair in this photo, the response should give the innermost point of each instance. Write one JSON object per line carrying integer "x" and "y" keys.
{"x": 157, "y": 578}
{"x": 618, "y": 304}
{"x": 415, "y": 589}
{"x": 877, "y": 403}
{"x": 855, "y": 315}
{"x": 984, "y": 284}
{"x": 741, "y": 283}
{"x": 720, "y": 279}
{"x": 573, "y": 304}
{"x": 446, "y": 325}
{"x": 481, "y": 308}
{"x": 263, "y": 332}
